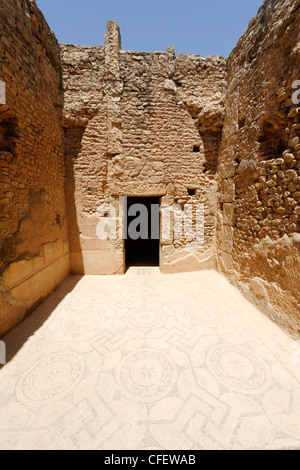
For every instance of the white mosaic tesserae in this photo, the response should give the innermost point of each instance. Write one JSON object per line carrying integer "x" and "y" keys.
{"x": 149, "y": 361}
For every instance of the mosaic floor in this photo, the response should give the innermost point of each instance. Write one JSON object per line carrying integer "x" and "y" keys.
{"x": 149, "y": 361}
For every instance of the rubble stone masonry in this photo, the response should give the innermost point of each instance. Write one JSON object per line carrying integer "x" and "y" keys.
{"x": 84, "y": 126}
{"x": 133, "y": 121}
{"x": 259, "y": 168}
{"x": 33, "y": 230}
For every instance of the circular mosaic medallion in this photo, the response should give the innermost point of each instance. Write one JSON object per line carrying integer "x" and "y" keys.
{"x": 146, "y": 375}
{"x": 51, "y": 379}
{"x": 237, "y": 368}
{"x": 145, "y": 318}
{"x": 81, "y": 319}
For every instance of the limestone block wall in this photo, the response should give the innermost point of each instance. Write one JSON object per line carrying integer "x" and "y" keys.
{"x": 258, "y": 236}
{"x": 34, "y": 249}
{"x": 139, "y": 124}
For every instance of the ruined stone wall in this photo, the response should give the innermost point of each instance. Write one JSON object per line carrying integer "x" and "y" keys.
{"x": 139, "y": 124}
{"x": 259, "y": 172}
{"x": 33, "y": 230}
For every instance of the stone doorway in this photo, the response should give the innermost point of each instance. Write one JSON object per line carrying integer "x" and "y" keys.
{"x": 142, "y": 231}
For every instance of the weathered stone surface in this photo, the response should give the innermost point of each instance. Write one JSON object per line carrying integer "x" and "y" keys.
{"x": 193, "y": 366}
{"x": 32, "y": 198}
{"x": 84, "y": 126}
{"x": 260, "y": 137}
{"x": 132, "y": 121}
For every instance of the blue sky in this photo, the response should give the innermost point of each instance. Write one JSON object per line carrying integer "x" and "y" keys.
{"x": 193, "y": 26}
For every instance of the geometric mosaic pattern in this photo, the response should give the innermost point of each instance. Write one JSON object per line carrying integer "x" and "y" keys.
{"x": 149, "y": 361}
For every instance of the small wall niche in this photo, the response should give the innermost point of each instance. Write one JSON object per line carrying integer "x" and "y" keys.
{"x": 196, "y": 149}
{"x": 271, "y": 142}
{"x": 192, "y": 192}
{"x": 242, "y": 121}
{"x": 8, "y": 134}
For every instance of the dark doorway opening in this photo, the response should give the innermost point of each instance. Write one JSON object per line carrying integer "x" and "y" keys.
{"x": 142, "y": 231}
